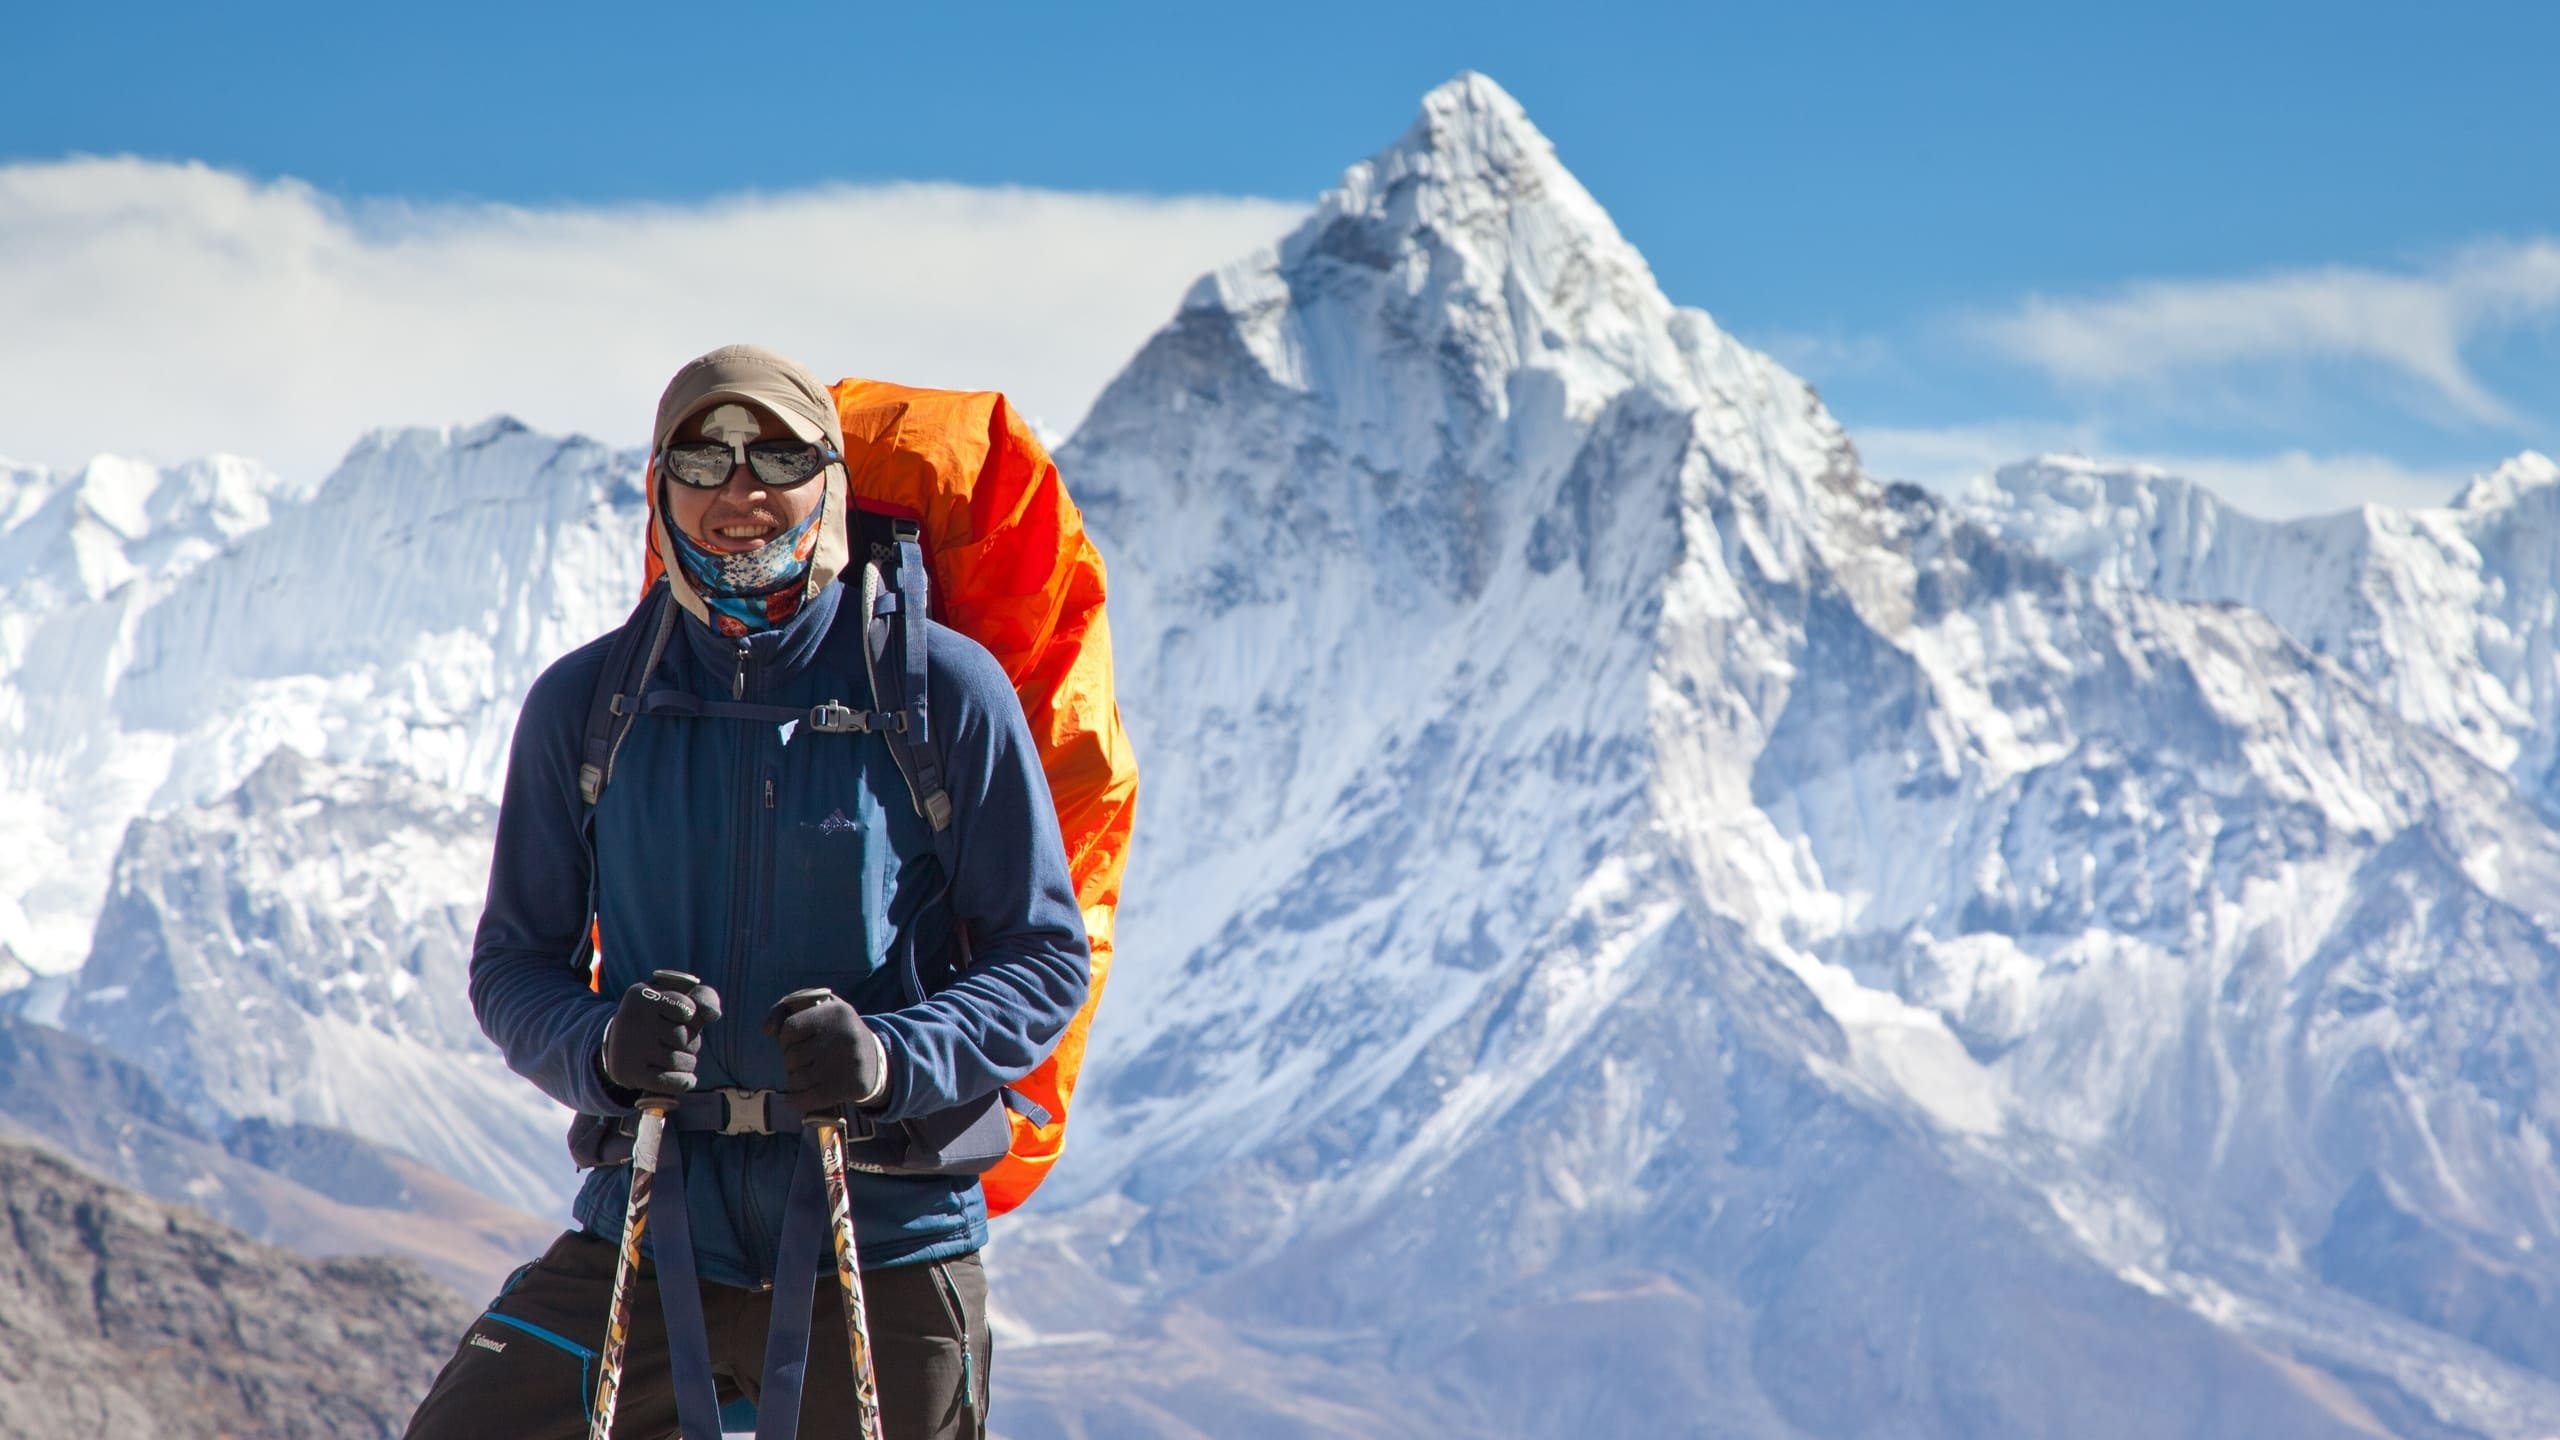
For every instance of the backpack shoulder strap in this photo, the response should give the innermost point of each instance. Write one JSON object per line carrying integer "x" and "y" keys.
{"x": 637, "y": 648}
{"x": 896, "y": 601}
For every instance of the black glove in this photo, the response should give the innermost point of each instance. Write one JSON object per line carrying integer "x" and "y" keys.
{"x": 651, "y": 1043}
{"x": 829, "y": 1057}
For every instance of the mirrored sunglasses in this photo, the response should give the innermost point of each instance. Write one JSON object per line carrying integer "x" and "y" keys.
{"x": 780, "y": 464}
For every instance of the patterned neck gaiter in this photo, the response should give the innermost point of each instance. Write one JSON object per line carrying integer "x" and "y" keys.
{"x": 754, "y": 591}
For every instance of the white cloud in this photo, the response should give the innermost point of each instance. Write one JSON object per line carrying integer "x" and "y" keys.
{"x": 2278, "y": 486}
{"x": 2416, "y": 325}
{"x": 168, "y": 311}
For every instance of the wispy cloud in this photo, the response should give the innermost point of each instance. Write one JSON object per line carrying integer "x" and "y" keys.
{"x": 1824, "y": 357}
{"x": 172, "y": 310}
{"x": 2415, "y": 326}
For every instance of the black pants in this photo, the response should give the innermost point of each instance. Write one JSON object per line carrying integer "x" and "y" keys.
{"x": 526, "y": 1369}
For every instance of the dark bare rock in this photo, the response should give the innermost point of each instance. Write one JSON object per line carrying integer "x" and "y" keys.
{"x": 124, "y": 1317}
{"x": 317, "y": 1191}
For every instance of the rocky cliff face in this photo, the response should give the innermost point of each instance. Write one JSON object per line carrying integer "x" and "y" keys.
{"x": 297, "y": 952}
{"x": 126, "y": 1319}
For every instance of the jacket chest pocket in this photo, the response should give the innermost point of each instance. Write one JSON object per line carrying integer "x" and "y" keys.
{"x": 833, "y": 866}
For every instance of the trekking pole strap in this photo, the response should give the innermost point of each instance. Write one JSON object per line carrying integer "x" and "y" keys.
{"x": 800, "y": 1251}
{"x": 680, "y": 1300}
{"x": 795, "y": 1293}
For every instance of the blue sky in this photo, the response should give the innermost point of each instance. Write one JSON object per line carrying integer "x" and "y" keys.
{"x": 2311, "y": 252}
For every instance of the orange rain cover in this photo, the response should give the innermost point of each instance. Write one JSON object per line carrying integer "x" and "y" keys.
{"x": 1012, "y": 569}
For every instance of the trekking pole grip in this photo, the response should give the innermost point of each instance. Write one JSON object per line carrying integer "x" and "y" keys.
{"x": 799, "y": 1000}
{"x": 651, "y": 1101}
{"x": 793, "y": 1004}
{"x": 654, "y": 1109}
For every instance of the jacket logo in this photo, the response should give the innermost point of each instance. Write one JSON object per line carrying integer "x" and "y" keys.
{"x": 836, "y": 824}
{"x": 485, "y": 1343}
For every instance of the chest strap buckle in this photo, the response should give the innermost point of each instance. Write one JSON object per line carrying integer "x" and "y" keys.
{"x": 747, "y": 1111}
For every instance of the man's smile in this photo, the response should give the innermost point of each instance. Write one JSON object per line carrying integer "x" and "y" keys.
{"x": 736, "y": 537}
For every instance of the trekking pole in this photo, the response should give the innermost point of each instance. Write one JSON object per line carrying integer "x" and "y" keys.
{"x": 635, "y": 1219}
{"x": 830, "y": 1132}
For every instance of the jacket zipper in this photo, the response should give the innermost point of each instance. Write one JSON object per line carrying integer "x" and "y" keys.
{"x": 741, "y": 904}
{"x": 950, "y": 1296}
{"x": 743, "y": 908}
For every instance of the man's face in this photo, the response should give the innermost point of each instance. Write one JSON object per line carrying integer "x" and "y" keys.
{"x": 744, "y": 513}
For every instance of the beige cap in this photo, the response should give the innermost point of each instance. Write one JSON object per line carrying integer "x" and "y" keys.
{"x": 757, "y": 375}
{"x": 785, "y": 387}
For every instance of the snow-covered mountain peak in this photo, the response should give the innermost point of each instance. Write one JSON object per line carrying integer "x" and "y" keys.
{"x": 1468, "y": 125}
{"x": 162, "y": 632}
{"x": 2510, "y": 482}
{"x": 2111, "y": 521}
{"x": 1365, "y": 498}
{"x": 1433, "y": 349}
{"x": 77, "y": 535}
{"x": 2066, "y": 478}
{"x": 2063, "y": 486}
{"x": 2446, "y": 612}
{"x": 1455, "y": 276}
{"x": 1483, "y": 184}
{"x": 1512, "y": 654}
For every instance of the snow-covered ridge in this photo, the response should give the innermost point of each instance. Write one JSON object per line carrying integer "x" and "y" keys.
{"x": 2510, "y": 482}
{"x": 297, "y": 952}
{"x": 392, "y": 616}
{"x": 70, "y": 536}
{"x": 2450, "y": 613}
{"x": 185, "y": 646}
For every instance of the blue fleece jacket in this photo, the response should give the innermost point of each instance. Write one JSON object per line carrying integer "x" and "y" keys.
{"x": 767, "y": 859}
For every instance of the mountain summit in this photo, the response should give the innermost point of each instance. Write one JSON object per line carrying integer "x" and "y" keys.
{"x": 1607, "y": 858}
{"x": 1504, "y": 260}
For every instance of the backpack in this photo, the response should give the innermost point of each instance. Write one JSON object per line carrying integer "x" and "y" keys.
{"x": 960, "y": 516}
